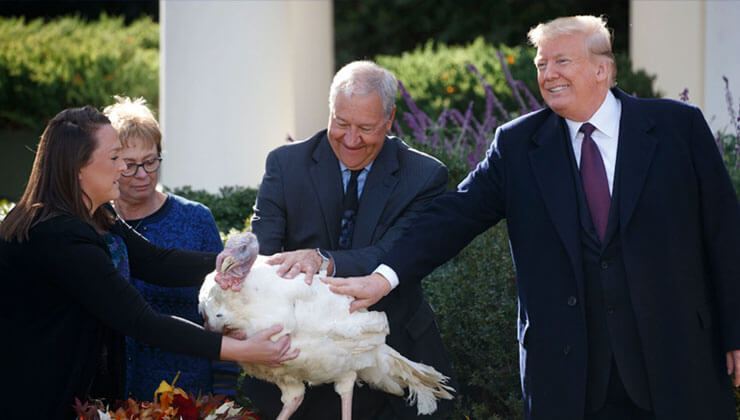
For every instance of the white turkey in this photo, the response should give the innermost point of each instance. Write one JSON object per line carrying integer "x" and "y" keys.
{"x": 246, "y": 294}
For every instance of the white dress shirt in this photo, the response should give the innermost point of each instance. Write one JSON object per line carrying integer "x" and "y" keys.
{"x": 606, "y": 121}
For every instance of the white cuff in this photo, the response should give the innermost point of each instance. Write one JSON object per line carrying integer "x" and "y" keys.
{"x": 388, "y": 274}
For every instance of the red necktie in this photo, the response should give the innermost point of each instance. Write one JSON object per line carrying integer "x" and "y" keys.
{"x": 595, "y": 184}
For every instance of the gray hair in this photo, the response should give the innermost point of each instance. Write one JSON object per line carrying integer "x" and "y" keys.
{"x": 598, "y": 36}
{"x": 361, "y": 78}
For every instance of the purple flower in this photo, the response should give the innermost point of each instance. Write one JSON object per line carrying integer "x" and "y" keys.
{"x": 731, "y": 107}
{"x": 511, "y": 82}
{"x": 460, "y": 133}
{"x": 489, "y": 94}
{"x": 534, "y": 105}
{"x": 397, "y": 130}
{"x": 684, "y": 96}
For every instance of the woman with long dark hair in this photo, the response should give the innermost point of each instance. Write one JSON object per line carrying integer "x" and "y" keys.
{"x": 63, "y": 294}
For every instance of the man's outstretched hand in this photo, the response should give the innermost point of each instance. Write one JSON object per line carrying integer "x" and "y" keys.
{"x": 366, "y": 290}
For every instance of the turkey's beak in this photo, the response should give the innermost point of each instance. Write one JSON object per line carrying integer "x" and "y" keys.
{"x": 227, "y": 263}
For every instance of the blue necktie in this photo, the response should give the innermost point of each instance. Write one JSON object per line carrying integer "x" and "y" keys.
{"x": 349, "y": 211}
{"x": 595, "y": 183}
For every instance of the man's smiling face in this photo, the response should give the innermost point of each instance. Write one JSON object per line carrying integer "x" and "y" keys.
{"x": 572, "y": 82}
{"x": 357, "y": 128}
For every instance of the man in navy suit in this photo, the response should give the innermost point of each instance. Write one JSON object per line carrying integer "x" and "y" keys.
{"x": 625, "y": 235}
{"x": 337, "y": 202}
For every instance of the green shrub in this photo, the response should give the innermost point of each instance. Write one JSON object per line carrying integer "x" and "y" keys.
{"x": 474, "y": 298}
{"x": 48, "y": 66}
{"x": 436, "y": 76}
{"x": 730, "y": 147}
{"x": 231, "y": 207}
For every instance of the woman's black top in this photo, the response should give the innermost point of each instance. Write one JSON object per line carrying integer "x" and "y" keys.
{"x": 62, "y": 294}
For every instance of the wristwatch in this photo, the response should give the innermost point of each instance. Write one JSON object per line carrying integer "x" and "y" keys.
{"x": 324, "y": 261}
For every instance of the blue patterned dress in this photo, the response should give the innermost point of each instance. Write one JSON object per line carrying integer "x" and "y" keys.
{"x": 185, "y": 224}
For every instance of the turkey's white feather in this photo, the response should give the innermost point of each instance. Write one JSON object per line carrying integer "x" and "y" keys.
{"x": 336, "y": 346}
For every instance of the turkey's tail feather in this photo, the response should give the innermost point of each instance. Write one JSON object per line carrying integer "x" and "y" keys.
{"x": 394, "y": 372}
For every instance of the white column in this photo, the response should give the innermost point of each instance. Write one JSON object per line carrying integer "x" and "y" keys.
{"x": 236, "y": 78}
{"x": 690, "y": 44}
{"x": 667, "y": 39}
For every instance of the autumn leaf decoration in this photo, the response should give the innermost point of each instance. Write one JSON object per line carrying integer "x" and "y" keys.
{"x": 168, "y": 403}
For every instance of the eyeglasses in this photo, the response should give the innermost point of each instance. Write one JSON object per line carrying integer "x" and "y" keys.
{"x": 149, "y": 166}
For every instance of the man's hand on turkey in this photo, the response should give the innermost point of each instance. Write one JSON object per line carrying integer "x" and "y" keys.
{"x": 246, "y": 294}
{"x": 293, "y": 263}
{"x": 366, "y": 290}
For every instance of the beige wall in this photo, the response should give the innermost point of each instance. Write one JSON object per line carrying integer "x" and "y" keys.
{"x": 722, "y": 59}
{"x": 236, "y": 78}
{"x": 689, "y": 44}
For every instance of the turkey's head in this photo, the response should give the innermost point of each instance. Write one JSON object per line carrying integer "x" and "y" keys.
{"x": 234, "y": 262}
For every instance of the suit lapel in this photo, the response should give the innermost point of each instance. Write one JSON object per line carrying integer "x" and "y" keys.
{"x": 636, "y": 150}
{"x": 327, "y": 183}
{"x": 379, "y": 185}
{"x": 552, "y": 170}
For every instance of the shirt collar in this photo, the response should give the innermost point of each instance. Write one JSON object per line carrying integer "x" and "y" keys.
{"x": 605, "y": 119}
{"x": 365, "y": 169}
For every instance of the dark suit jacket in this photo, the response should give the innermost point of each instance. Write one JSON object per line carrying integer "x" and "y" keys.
{"x": 299, "y": 206}
{"x": 679, "y": 223}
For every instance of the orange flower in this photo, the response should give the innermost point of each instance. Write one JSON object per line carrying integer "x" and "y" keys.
{"x": 450, "y": 89}
{"x": 510, "y": 59}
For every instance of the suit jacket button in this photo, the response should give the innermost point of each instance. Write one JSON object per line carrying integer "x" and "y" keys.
{"x": 566, "y": 349}
{"x": 572, "y": 301}
{"x": 604, "y": 265}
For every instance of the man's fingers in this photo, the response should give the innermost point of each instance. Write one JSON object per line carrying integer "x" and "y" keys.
{"x": 238, "y": 335}
{"x": 343, "y": 289}
{"x": 358, "y": 304}
{"x": 269, "y": 332}
{"x": 276, "y": 259}
{"x": 291, "y": 355}
{"x": 733, "y": 366}
{"x": 294, "y": 271}
{"x": 339, "y": 286}
{"x": 730, "y": 363}
{"x": 283, "y": 343}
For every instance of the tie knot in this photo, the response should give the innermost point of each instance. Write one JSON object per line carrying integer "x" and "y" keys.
{"x": 355, "y": 174}
{"x": 587, "y": 129}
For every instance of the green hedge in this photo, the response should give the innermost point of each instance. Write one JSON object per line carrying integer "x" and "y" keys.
{"x": 474, "y": 298}
{"x": 436, "y": 75}
{"x": 49, "y": 66}
{"x": 231, "y": 207}
{"x": 730, "y": 147}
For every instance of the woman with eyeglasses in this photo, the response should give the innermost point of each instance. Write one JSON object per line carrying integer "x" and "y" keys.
{"x": 169, "y": 221}
{"x": 62, "y": 292}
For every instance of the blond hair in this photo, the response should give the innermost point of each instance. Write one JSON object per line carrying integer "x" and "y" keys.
{"x": 598, "y": 36}
{"x": 134, "y": 119}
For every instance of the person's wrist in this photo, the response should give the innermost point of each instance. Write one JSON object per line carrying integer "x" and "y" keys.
{"x": 324, "y": 261}
{"x": 385, "y": 285}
